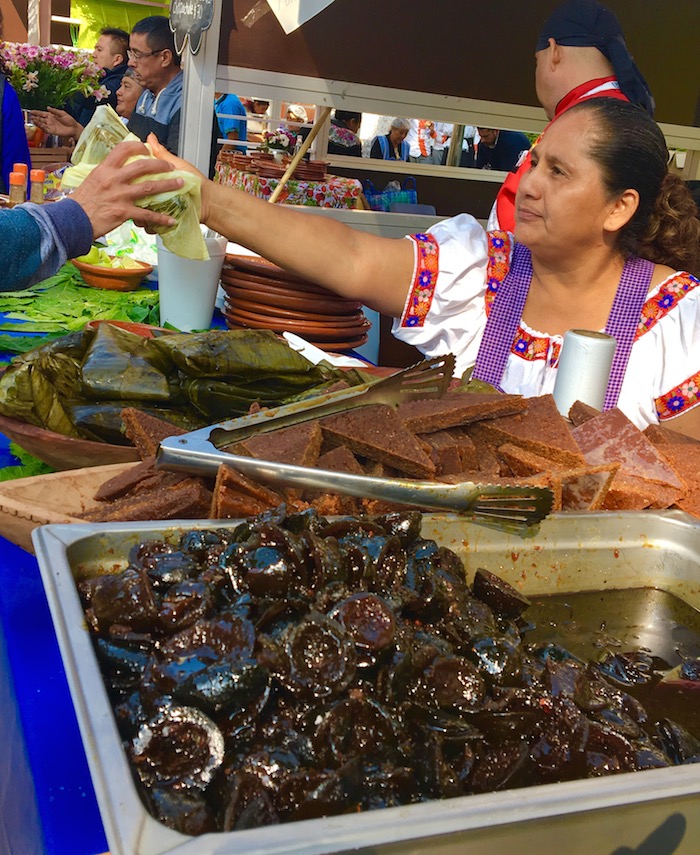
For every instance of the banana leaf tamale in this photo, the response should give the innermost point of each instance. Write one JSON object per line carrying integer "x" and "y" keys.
{"x": 38, "y": 382}
{"x": 102, "y": 420}
{"x": 122, "y": 365}
{"x": 246, "y": 353}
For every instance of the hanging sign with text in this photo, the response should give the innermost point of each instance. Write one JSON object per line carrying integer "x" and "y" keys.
{"x": 188, "y": 20}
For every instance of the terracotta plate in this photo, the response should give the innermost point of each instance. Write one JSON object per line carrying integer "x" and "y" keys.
{"x": 249, "y": 303}
{"x": 330, "y": 330}
{"x": 331, "y": 346}
{"x": 287, "y": 285}
{"x": 282, "y": 299}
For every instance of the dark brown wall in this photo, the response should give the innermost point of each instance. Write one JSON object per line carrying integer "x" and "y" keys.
{"x": 474, "y": 50}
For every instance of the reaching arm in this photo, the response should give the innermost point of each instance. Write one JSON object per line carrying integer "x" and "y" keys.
{"x": 54, "y": 121}
{"x": 376, "y": 271}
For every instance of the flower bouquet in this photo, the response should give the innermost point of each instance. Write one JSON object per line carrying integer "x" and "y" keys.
{"x": 278, "y": 140}
{"x": 50, "y": 76}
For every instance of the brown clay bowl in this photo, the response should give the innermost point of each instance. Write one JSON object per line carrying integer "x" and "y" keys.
{"x": 64, "y": 452}
{"x": 113, "y": 278}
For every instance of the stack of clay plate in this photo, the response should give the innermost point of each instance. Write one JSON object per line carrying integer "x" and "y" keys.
{"x": 260, "y": 295}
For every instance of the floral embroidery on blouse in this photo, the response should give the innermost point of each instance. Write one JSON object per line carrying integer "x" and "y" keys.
{"x": 343, "y": 136}
{"x": 531, "y": 347}
{"x": 499, "y": 252}
{"x": 423, "y": 288}
{"x": 679, "y": 400}
{"x": 660, "y": 304}
{"x": 525, "y": 345}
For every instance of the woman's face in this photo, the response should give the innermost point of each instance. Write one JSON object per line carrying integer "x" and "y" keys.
{"x": 561, "y": 204}
{"x": 127, "y": 96}
{"x": 398, "y": 135}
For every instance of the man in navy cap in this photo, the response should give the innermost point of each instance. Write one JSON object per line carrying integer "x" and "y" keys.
{"x": 580, "y": 54}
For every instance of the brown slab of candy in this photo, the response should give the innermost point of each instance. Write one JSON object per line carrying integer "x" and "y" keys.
{"x": 542, "y": 430}
{"x": 611, "y": 436}
{"x": 298, "y": 444}
{"x": 377, "y": 432}
{"x": 683, "y": 454}
{"x": 457, "y": 408}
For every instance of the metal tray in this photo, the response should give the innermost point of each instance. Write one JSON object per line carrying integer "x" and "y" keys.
{"x": 569, "y": 553}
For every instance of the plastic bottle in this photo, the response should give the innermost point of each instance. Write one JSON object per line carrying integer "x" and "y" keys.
{"x": 23, "y": 168}
{"x": 18, "y": 189}
{"x": 36, "y": 186}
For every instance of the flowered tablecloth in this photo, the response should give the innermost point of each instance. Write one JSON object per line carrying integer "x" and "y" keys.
{"x": 336, "y": 192}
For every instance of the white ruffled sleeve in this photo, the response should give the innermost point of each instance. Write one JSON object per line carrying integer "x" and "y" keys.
{"x": 445, "y": 309}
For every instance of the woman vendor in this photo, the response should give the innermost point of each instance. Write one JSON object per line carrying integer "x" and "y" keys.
{"x": 596, "y": 201}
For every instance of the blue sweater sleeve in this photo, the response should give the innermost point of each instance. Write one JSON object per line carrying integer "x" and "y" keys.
{"x": 14, "y": 138}
{"x": 38, "y": 239}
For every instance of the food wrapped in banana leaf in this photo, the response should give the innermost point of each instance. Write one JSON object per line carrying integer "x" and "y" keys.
{"x": 104, "y": 131}
{"x": 101, "y": 421}
{"x": 78, "y": 384}
{"x": 35, "y": 386}
{"x": 246, "y": 354}
{"x": 119, "y": 364}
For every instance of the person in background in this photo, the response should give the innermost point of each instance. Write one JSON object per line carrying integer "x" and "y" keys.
{"x": 342, "y": 136}
{"x": 392, "y": 146}
{"x": 38, "y": 239}
{"x": 153, "y": 57}
{"x": 110, "y": 54}
{"x": 421, "y": 136}
{"x": 580, "y": 54}
{"x": 468, "y": 158}
{"x": 441, "y": 142}
{"x": 60, "y": 122}
{"x": 256, "y": 108}
{"x": 606, "y": 238}
{"x": 296, "y": 116}
{"x": 500, "y": 149}
{"x": 229, "y": 128}
{"x": 13, "y": 138}
{"x": 128, "y": 95}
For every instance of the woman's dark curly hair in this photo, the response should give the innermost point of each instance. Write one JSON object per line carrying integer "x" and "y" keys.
{"x": 632, "y": 154}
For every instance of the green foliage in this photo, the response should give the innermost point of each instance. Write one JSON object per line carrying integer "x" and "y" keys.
{"x": 28, "y": 465}
{"x": 63, "y": 303}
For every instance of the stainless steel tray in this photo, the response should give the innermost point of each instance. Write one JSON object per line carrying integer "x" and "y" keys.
{"x": 570, "y": 552}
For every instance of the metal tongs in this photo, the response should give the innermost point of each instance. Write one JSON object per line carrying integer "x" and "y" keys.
{"x": 201, "y": 452}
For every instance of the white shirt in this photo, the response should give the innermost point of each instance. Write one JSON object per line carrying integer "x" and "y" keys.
{"x": 664, "y": 367}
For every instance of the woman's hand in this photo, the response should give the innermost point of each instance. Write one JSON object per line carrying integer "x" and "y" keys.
{"x": 54, "y": 121}
{"x": 162, "y": 152}
{"x": 109, "y": 197}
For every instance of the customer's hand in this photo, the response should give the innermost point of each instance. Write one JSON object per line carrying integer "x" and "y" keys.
{"x": 109, "y": 198}
{"x": 54, "y": 121}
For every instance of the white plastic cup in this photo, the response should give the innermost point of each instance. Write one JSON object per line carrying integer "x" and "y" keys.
{"x": 187, "y": 289}
{"x": 584, "y": 369}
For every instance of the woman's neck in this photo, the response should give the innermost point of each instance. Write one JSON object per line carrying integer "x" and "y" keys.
{"x": 577, "y": 295}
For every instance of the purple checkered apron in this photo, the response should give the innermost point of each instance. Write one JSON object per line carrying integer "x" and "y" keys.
{"x": 507, "y": 310}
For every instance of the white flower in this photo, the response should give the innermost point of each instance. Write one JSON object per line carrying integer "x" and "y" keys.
{"x": 32, "y": 81}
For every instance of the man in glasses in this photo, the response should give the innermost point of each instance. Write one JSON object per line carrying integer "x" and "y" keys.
{"x": 156, "y": 63}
